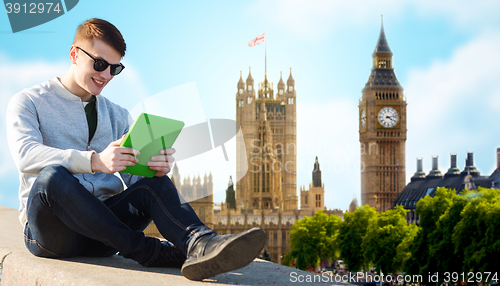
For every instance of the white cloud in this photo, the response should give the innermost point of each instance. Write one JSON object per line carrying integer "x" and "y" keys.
{"x": 465, "y": 14}
{"x": 312, "y": 19}
{"x": 453, "y": 105}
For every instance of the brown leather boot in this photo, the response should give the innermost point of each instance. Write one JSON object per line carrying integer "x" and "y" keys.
{"x": 215, "y": 254}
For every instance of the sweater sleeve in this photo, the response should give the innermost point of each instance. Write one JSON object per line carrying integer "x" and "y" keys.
{"x": 26, "y": 142}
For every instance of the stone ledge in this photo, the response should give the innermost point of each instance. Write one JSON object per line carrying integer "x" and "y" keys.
{"x": 19, "y": 267}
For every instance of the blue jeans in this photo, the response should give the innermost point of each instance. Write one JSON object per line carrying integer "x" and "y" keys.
{"x": 66, "y": 220}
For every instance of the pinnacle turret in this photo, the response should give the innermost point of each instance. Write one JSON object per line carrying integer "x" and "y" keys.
{"x": 290, "y": 81}
{"x": 250, "y": 80}
{"x": 241, "y": 83}
{"x": 281, "y": 83}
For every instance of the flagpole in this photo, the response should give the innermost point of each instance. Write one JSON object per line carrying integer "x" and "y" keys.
{"x": 265, "y": 56}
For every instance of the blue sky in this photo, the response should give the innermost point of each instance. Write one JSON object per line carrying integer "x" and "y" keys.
{"x": 446, "y": 56}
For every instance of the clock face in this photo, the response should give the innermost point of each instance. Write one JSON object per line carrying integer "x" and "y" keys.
{"x": 363, "y": 118}
{"x": 388, "y": 117}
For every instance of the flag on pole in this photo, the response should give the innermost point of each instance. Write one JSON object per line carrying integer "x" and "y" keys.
{"x": 260, "y": 40}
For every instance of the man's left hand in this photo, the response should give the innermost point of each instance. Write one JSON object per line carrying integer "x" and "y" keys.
{"x": 162, "y": 163}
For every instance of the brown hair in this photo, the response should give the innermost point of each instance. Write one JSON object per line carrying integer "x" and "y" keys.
{"x": 102, "y": 30}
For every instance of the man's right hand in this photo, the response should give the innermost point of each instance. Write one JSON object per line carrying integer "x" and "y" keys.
{"x": 114, "y": 158}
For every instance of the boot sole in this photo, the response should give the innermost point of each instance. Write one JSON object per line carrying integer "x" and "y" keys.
{"x": 235, "y": 253}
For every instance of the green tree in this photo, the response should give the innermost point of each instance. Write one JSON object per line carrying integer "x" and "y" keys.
{"x": 478, "y": 231}
{"x": 313, "y": 239}
{"x": 385, "y": 232}
{"x": 442, "y": 249}
{"x": 430, "y": 209}
{"x": 403, "y": 252}
{"x": 352, "y": 231}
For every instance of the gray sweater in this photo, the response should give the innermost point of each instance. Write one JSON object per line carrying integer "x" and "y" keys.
{"x": 46, "y": 125}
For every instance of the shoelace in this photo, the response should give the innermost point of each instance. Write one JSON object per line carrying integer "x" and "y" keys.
{"x": 169, "y": 256}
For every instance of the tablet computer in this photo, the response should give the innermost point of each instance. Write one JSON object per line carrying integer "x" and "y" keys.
{"x": 149, "y": 134}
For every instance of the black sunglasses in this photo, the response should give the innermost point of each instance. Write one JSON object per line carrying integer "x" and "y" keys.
{"x": 101, "y": 65}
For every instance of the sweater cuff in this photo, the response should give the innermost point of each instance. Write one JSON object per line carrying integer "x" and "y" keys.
{"x": 81, "y": 162}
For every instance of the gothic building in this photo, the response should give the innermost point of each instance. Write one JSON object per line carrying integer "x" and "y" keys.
{"x": 267, "y": 195}
{"x": 382, "y": 131}
{"x": 268, "y": 122}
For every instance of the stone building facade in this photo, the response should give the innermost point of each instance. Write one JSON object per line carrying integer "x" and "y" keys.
{"x": 266, "y": 196}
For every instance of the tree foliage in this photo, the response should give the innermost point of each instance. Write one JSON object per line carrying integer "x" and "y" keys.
{"x": 442, "y": 248}
{"x": 385, "y": 232}
{"x": 430, "y": 210}
{"x": 456, "y": 233}
{"x": 313, "y": 239}
{"x": 477, "y": 233}
{"x": 403, "y": 252}
{"x": 351, "y": 234}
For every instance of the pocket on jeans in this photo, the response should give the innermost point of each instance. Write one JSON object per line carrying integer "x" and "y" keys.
{"x": 34, "y": 247}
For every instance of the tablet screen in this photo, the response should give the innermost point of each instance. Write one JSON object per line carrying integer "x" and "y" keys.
{"x": 149, "y": 134}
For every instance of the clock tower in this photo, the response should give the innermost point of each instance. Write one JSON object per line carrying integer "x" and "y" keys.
{"x": 382, "y": 131}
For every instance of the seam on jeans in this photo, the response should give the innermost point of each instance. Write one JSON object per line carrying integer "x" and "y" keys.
{"x": 159, "y": 202}
{"x": 28, "y": 239}
{"x": 39, "y": 245}
{"x": 167, "y": 212}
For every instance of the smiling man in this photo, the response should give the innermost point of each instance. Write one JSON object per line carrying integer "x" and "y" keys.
{"x": 65, "y": 139}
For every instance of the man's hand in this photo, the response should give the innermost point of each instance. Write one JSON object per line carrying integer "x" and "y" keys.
{"x": 162, "y": 163}
{"x": 114, "y": 158}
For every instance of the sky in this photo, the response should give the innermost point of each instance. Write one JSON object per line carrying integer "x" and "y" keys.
{"x": 446, "y": 57}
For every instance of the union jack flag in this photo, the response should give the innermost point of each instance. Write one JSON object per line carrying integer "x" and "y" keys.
{"x": 260, "y": 40}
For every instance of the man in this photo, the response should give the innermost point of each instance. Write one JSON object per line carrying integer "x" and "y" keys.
{"x": 65, "y": 140}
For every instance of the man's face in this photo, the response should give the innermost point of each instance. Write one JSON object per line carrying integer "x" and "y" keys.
{"x": 88, "y": 80}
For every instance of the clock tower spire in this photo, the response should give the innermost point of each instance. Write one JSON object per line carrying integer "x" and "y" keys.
{"x": 382, "y": 131}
